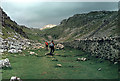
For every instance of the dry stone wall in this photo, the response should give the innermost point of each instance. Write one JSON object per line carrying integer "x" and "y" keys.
{"x": 105, "y": 48}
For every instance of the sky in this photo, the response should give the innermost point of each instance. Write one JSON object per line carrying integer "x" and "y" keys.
{"x": 38, "y": 13}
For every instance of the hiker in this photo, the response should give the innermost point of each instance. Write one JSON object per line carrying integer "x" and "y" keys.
{"x": 51, "y": 47}
{"x": 46, "y": 45}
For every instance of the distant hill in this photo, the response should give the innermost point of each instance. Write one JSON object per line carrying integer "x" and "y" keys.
{"x": 88, "y": 25}
{"x": 95, "y": 24}
{"x": 48, "y": 26}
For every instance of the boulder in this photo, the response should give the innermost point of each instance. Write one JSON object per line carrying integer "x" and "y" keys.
{"x": 81, "y": 59}
{"x": 99, "y": 69}
{"x": 5, "y": 63}
{"x": 12, "y": 47}
{"x": 20, "y": 51}
{"x": 59, "y": 65}
{"x": 60, "y": 46}
{"x": 14, "y": 78}
{"x": 13, "y": 51}
{"x": 1, "y": 50}
{"x": 115, "y": 62}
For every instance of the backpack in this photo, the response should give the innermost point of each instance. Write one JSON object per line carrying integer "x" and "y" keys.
{"x": 51, "y": 44}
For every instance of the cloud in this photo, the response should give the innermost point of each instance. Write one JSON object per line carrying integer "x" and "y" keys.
{"x": 38, "y": 14}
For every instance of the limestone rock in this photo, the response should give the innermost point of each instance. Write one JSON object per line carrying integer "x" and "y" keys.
{"x": 81, "y": 59}
{"x": 5, "y": 63}
{"x": 60, "y": 46}
{"x": 59, "y": 65}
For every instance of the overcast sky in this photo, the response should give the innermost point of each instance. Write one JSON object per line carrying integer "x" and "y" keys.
{"x": 37, "y": 14}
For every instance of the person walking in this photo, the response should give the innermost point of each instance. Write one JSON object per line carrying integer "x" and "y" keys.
{"x": 51, "y": 47}
{"x": 46, "y": 45}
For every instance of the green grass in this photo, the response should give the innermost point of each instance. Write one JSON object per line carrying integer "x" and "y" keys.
{"x": 42, "y": 67}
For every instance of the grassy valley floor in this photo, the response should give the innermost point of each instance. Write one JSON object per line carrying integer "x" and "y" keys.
{"x": 39, "y": 66}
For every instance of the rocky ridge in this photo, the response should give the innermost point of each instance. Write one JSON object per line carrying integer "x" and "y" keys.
{"x": 12, "y": 38}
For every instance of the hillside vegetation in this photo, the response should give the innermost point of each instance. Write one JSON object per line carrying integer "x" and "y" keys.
{"x": 79, "y": 26}
{"x": 87, "y": 25}
{"x": 10, "y": 28}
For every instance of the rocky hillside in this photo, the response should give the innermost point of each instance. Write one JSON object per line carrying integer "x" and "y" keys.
{"x": 12, "y": 37}
{"x": 87, "y": 25}
{"x": 15, "y": 38}
{"x": 11, "y": 28}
